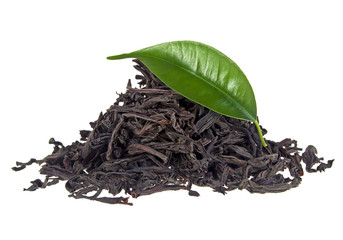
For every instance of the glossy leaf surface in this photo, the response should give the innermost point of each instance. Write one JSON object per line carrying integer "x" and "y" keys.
{"x": 202, "y": 74}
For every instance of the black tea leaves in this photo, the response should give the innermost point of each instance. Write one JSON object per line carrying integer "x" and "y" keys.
{"x": 152, "y": 139}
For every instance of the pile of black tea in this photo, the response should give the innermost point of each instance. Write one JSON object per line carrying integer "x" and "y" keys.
{"x": 152, "y": 139}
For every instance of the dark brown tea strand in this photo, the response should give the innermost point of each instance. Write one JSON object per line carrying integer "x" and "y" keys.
{"x": 152, "y": 139}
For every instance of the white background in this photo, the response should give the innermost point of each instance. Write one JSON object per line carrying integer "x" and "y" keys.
{"x": 55, "y": 79}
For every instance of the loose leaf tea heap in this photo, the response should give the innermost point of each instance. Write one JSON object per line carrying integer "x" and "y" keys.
{"x": 152, "y": 139}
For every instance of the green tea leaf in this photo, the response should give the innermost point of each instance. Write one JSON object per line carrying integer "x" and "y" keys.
{"x": 202, "y": 74}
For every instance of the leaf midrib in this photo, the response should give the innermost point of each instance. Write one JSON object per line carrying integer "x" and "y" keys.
{"x": 249, "y": 116}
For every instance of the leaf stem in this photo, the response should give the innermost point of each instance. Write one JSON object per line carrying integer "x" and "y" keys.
{"x": 260, "y": 133}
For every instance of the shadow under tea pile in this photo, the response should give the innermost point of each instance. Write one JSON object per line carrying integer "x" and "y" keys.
{"x": 152, "y": 139}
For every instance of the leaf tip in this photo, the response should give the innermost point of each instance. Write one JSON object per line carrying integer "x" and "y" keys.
{"x": 121, "y": 56}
